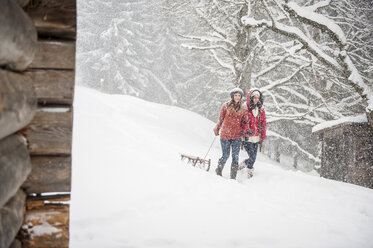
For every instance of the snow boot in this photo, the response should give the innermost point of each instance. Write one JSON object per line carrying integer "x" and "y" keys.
{"x": 219, "y": 169}
{"x": 250, "y": 173}
{"x": 242, "y": 165}
{"x": 234, "y": 169}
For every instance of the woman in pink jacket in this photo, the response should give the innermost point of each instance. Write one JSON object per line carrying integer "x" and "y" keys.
{"x": 257, "y": 124}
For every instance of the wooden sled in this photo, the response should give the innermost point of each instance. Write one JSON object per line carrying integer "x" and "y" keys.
{"x": 196, "y": 161}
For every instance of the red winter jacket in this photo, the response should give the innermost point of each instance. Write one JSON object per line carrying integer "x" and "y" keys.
{"x": 257, "y": 124}
{"x": 232, "y": 121}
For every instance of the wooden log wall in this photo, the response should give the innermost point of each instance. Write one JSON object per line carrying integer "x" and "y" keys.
{"x": 37, "y": 70}
{"x": 18, "y": 43}
{"x": 347, "y": 153}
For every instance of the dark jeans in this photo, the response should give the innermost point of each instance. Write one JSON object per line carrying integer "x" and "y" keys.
{"x": 226, "y": 146}
{"x": 252, "y": 150}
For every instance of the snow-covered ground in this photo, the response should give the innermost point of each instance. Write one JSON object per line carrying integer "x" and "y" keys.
{"x": 130, "y": 188}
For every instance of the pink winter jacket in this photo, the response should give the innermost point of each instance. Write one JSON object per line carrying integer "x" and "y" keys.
{"x": 257, "y": 124}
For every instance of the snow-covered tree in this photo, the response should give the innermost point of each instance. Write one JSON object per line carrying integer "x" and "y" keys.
{"x": 312, "y": 59}
{"x": 133, "y": 47}
{"x": 300, "y": 89}
{"x": 120, "y": 49}
{"x": 308, "y": 24}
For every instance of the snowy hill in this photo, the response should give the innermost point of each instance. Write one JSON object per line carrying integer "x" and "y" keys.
{"x": 130, "y": 188}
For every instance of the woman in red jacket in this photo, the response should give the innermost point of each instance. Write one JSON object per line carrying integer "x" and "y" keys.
{"x": 232, "y": 121}
{"x": 257, "y": 124}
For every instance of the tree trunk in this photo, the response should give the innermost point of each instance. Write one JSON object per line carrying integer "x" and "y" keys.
{"x": 370, "y": 118}
{"x": 243, "y": 50}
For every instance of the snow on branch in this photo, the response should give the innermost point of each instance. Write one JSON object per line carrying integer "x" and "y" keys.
{"x": 295, "y": 144}
{"x": 358, "y": 83}
{"x": 196, "y": 47}
{"x": 222, "y": 63}
{"x": 284, "y": 80}
{"x": 297, "y": 34}
{"x": 274, "y": 101}
{"x": 317, "y": 20}
{"x": 273, "y": 117}
{"x": 163, "y": 86}
{"x": 308, "y": 16}
{"x": 318, "y": 5}
{"x": 270, "y": 68}
{"x": 202, "y": 38}
{"x": 217, "y": 29}
{"x": 334, "y": 123}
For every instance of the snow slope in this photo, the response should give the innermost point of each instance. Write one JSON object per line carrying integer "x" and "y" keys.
{"x": 130, "y": 188}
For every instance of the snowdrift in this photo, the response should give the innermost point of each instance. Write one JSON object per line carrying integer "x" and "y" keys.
{"x": 130, "y": 188}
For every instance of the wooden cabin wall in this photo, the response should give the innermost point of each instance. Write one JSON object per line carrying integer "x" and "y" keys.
{"x": 347, "y": 153}
{"x": 37, "y": 71}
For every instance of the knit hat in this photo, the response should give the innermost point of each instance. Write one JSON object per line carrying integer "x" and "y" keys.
{"x": 236, "y": 90}
{"x": 250, "y": 96}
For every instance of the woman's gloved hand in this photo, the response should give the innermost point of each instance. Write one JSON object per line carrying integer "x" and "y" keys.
{"x": 216, "y": 131}
{"x": 249, "y": 132}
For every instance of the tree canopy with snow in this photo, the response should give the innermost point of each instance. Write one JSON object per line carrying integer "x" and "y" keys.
{"x": 311, "y": 59}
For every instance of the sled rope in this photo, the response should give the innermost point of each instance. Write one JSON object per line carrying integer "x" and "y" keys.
{"x": 210, "y": 147}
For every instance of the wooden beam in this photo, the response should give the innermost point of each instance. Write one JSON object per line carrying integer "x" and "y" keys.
{"x": 50, "y": 133}
{"x": 18, "y": 36}
{"x": 11, "y": 218}
{"x": 16, "y": 244}
{"x": 54, "y": 55}
{"x": 17, "y": 102}
{"x": 54, "y": 18}
{"x": 45, "y": 214}
{"x": 52, "y": 86}
{"x": 40, "y": 201}
{"x": 15, "y": 166}
{"x": 49, "y": 174}
{"x": 23, "y": 3}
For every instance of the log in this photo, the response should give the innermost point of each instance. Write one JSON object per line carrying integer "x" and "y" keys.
{"x": 53, "y": 219}
{"x": 49, "y": 174}
{"x": 40, "y": 201}
{"x": 23, "y": 3}
{"x": 17, "y": 102}
{"x": 18, "y": 36}
{"x": 49, "y": 133}
{"x": 52, "y": 86}
{"x": 15, "y": 166}
{"x": 54, "y": 18}
{"x": 54, "y": 55}
{"x": 11, "y": 218}
{"x": 16, "y": 244}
